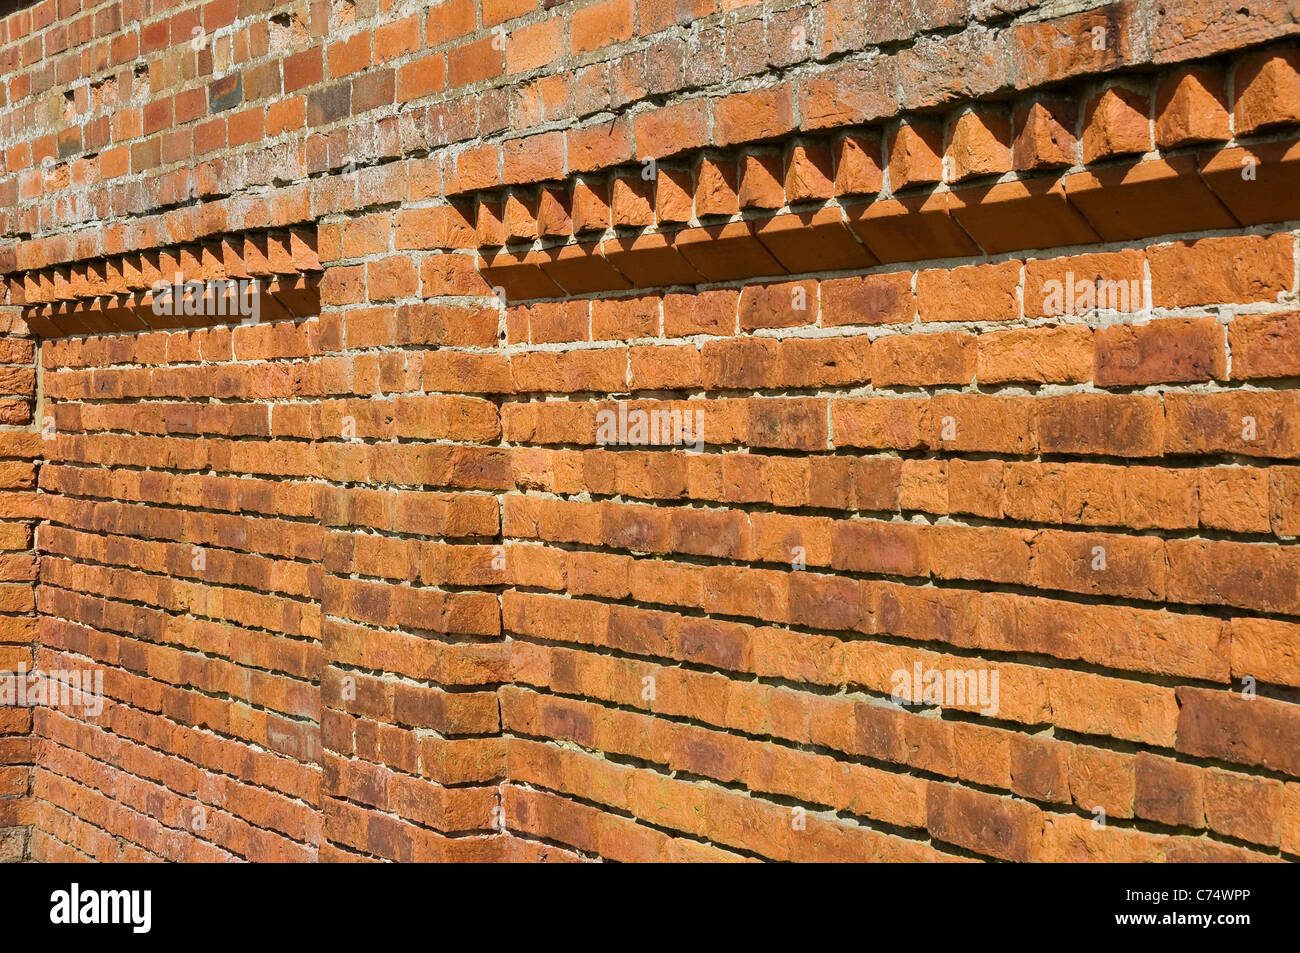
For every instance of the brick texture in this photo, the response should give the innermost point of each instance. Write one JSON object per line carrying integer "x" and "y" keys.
{"x": 719, "y": 432}
{"x": 20, "y": 447}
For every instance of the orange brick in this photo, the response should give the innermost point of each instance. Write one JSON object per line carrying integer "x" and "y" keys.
{"x": 915, "y": 155}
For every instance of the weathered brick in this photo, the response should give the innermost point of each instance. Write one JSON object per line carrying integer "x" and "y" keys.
{"x": 571, "y": 481}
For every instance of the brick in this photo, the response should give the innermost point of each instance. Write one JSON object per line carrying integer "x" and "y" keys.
{"x": 1210, "y": 27}
{"x": 923, "y": 486}
{"x": 1195, "y": 583}
{"x": 1115, "y": 123}
{"x": 632, "y": 200}
{"x": 672, "y": 129}
{"x": 947, "y": 294}
{"x": 924, "y": 360}
{"x": 1119, "y": 425}
{"x": 1004, "y": 827}
{"x": 1191, "y": 107}
{"x": 975, "y": 487}
{"x": 748, "y": 117}
{"x": 474, "y": 62}
{"x": 1040, "y": 355}
{"x": 1234, "y": 499}
{"x": 1265, "y": 346}
{"x": 1169, "y": 792}
{"x": 533, "y": 159}
{"x": 968, "y": 64}
{"x": 553, "y": 217}
{"x": 1011, "y": 215}
{"x": 716, "y": 188}
{"x": 519, "y": 216}
{"x": 674, "y": 195}
{"x": 915, "y": 155}
{"x": 1113, "y": 281}
{"x": 1114, "y": 565}
{"x": 849, "y": 95}
{"x": 911, "y": 228}
{"x": 1250, "y": 423}
{"x": 761, "y": 181}
{"x": 1078, "y": 44}
{"x": 1231, "y": 728}
{"x": 1105, "y": 779}
{"x": 601, "y": 25}
{"x": 1244, "y": 269}
{"x": 1039, "y": 769}
{"x": 892, "y": 548}
{"x": 489, "y": 223}
{"x": 1044, "y": 135}
{"x": 869, "y": 299}
{"x": 1244, "y": 807}
{"x": 858, "y": 166}
{"x": 534, "y": 46}
{"x": 1268, "y": 91}
{"x": 590, "y": 208}
{"x": 625, "y": 318}
{"x": 808, "y": 174}
{"x": 1263, "y": 649}
{"x": 782, "y": 305}
{"x": 1162, "y": 351}
{"x": 818, "y": 362}
{"x": 979, "y": 143}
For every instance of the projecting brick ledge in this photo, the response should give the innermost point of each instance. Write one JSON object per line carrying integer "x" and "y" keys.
{"x": 1216, "y": 188}
{"x": 572, "y": 181}
{"x": 119, "y": 293}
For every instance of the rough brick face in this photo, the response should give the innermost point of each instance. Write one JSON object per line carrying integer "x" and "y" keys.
{"x": 666, "y": 433}
{"x": 20, "y": 447}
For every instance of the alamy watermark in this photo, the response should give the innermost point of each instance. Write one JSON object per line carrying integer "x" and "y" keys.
{"x": 81, "y": 689}
{"x": 229, "y": 297}
{"x": 947, "y": 688}
{"x": 133, "y": 908}
{"x": 650, "y": 428}
{"x": 1084, "y": 295}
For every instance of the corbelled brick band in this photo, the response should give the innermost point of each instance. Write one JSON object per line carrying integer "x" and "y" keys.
{"x": 516, "y": 430}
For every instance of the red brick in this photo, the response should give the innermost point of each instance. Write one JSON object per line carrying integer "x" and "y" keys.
{"x": 1268, "y": 91}
{"x": 601, "y": 25}
{"x": 716, "y": 188}
{"x": 1115, "y": 123}
{"x": 858, "y": 165}
{"x": 1221, "y": 270}
{"x": 1191, "y": 106}
{"x": 761, "y": 181}
{"x": 1265, "y": 345}
{"x": 672, "y": 129}
{"x": 979, "y": 143}
{"x": 915, "y": 155}
{"x": 870, "y": 299}
{"x": 747, "y": 117}
{"x": 1159, "y": 352}
{"x": 970, "y": 293}
{"x": 1044, "y": 135}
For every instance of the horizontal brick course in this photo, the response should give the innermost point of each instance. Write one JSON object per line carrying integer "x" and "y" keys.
{"x": 976, "y": 324}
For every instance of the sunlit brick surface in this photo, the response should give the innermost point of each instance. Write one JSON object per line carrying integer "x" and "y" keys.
{"x": 643, "y": 396}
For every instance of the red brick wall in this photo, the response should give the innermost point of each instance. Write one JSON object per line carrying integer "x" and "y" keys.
{"x": 367, "y": 581}
{"x": 180, "y": 552}
{"x": 19, "y": 445}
